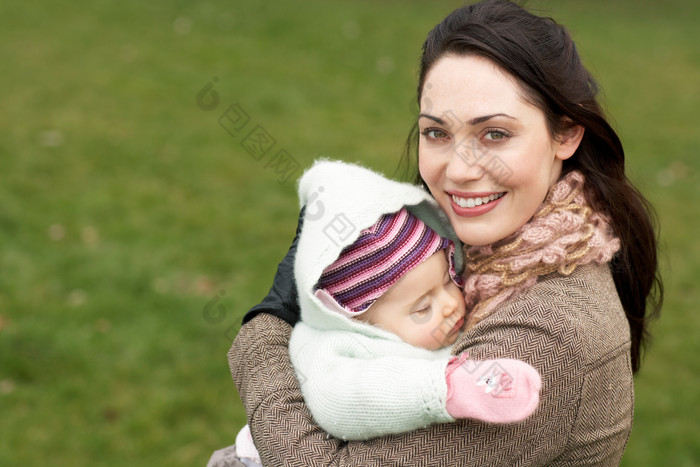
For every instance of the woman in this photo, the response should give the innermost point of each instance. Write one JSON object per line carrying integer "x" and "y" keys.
{"x": 562, "y": 269}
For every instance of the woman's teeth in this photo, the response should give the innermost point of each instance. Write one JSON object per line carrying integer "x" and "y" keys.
{"x": 473, "y": 202}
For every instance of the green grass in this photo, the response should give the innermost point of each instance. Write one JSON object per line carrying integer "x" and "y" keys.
{"x": 126, "y": 209}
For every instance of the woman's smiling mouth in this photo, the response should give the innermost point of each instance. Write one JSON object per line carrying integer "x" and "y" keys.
{"x": 474, "y": 204}
{"x": 476, "y": 201}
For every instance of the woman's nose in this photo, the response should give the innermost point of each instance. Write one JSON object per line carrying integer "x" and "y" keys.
{"x": 465, "y": 162}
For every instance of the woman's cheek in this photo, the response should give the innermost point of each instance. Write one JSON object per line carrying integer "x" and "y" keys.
{"x": 429, "y": 171}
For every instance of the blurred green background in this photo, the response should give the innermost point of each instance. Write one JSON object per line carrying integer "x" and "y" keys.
{"x": 137, "y": 223}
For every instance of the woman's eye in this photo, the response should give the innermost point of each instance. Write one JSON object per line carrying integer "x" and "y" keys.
{"x": 433, "y": 133}
{"x": 496, "y": 135}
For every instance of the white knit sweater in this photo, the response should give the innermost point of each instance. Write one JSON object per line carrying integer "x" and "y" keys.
{"x": 359, "y": 381}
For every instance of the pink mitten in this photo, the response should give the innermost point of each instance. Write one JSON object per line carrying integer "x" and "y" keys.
{"x": 496, "y": 391}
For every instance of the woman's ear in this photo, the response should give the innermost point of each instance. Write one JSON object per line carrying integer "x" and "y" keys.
{"x": 569, "y": 141}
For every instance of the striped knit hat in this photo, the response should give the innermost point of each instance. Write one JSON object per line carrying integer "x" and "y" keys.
{"x": 379, "y": 257}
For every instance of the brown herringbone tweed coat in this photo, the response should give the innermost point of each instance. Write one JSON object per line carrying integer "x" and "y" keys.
{"x": 572, "y": 329}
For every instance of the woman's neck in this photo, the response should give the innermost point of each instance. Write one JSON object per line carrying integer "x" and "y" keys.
{"x": 563, "y": 234}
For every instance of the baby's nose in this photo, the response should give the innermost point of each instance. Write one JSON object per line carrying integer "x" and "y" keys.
{"x": 449, "y": 305}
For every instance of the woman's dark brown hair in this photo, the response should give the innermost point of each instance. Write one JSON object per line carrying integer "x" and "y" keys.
{"x": 540, "y": 54}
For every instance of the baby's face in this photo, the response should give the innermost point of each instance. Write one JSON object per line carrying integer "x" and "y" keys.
{"x": 424, "y": 308}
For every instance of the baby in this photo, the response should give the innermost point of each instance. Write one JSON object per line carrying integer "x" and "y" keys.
{"x": 381, "y": 305}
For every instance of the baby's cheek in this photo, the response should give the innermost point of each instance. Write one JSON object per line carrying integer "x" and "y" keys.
{"x": 433, "y": 340}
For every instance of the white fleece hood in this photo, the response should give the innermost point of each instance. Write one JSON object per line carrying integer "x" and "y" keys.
{"x": 341, "y": 200}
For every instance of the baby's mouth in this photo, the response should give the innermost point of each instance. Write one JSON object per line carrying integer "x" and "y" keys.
{"x": 457, "y": 327}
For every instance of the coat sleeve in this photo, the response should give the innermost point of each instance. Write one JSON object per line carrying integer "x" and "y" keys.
{"x": 359, "y": 387}
{"x": 285, "y": 433}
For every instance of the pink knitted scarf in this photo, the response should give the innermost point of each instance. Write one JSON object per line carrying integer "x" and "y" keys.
{"x": 563, "y": 234}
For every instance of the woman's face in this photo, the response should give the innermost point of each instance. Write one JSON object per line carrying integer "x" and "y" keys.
{"x": 485, "y": 153}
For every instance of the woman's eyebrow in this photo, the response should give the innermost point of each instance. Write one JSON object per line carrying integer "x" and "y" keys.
{"x": 436, "y": 119}
{"x": 477, "y": 120}
{"x": 473, "y": 121}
